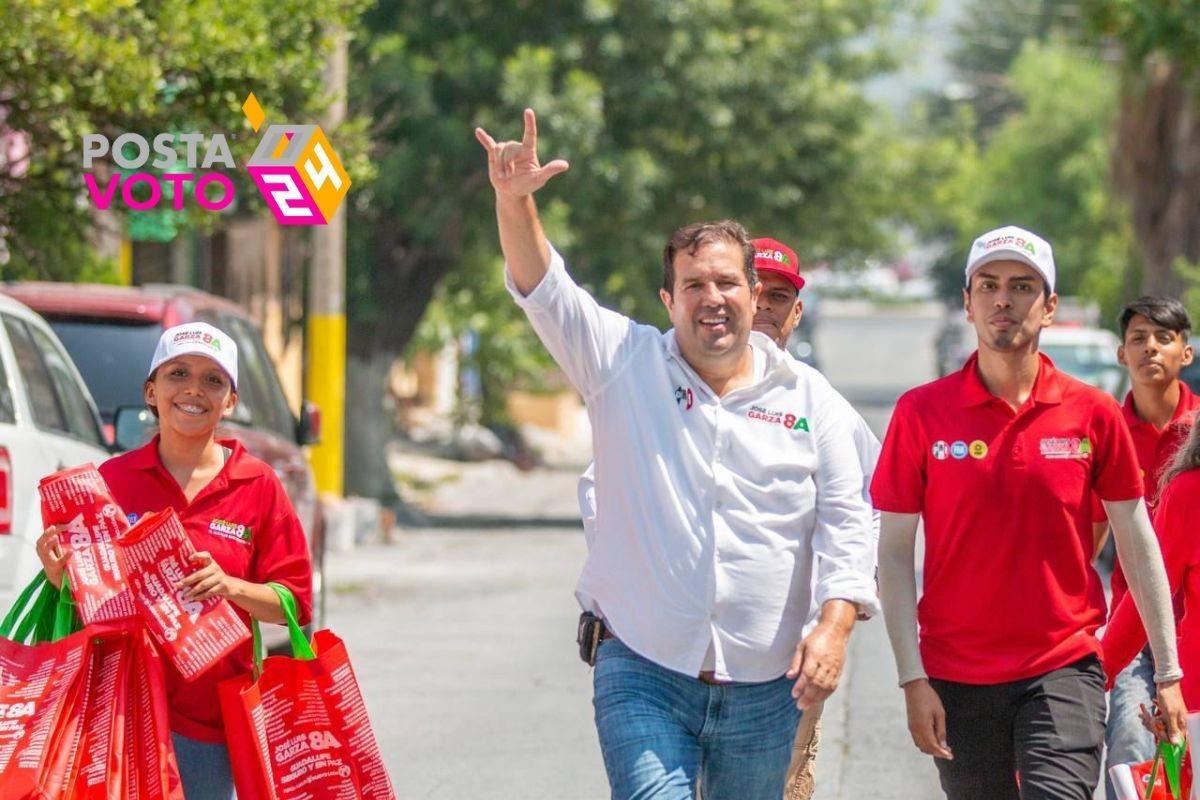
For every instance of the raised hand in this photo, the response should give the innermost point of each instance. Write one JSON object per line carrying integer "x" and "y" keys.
{"x": 513, "y": 167}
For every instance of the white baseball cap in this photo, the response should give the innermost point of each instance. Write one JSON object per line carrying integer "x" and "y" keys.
{"x": 197, "y": 338}
{"x": 1011, "y": 243}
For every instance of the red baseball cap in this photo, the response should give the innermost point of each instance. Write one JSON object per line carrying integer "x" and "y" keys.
{"x": 772, "y": 255}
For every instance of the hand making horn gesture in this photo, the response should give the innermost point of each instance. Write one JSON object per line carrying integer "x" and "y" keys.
{"x": 513, "y": 167}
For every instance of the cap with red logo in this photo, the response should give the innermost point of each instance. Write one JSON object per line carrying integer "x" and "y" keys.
{"x": 201, "y": 339}
{"x": 772, "y": 255}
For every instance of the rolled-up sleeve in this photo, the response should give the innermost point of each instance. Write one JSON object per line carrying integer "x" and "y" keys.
{"x": 589, "y": 343}
{"x": 843, "y": 543}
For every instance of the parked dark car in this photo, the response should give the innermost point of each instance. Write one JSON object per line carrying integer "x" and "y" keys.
{"x": 110, "y": 333}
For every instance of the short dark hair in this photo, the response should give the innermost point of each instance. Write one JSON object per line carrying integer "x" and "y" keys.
{"x": 1164, "y": 311}
{"x": 691, "y": 238}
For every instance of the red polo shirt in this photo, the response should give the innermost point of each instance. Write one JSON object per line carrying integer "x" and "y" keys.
{"x": 244, "y": 519}
{"x": 1009, "y": 590}
{"x": 1155, "y": 447}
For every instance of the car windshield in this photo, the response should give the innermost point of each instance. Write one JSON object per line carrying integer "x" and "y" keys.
{"x": 112, "y": 356}
{"x": 1091, "y": 363}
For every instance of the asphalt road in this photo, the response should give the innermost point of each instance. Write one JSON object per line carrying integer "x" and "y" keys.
{"x": 462, "y": 636}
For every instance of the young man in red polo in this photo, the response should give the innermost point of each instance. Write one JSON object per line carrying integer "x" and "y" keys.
{"x": 1158, "y": 411}
{"x": 1003, "y": 683}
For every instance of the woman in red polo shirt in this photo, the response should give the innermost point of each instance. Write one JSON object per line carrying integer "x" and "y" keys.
{"x": 1175, "y": 524}
{"x": 235, "y": 512}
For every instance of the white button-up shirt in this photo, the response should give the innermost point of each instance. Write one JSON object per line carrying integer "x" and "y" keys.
{"x": 721, "y": 522}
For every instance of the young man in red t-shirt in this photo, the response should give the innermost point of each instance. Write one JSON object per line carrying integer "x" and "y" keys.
{"x": 1158, "y": 411}
{"x": 1003, "y": 684}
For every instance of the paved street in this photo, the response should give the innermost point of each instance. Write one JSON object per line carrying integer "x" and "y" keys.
{"x": 462, "y": 634}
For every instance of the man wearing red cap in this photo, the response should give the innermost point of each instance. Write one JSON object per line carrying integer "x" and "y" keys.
{"x": 779, "y": 310}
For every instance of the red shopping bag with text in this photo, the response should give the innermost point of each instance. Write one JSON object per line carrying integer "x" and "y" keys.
{"x": 1167, "y": 776}
{"x": 79, "y": 499}
{"x": 99, "y": 767}
{"x": 155, "y": 555}
{"x": 44, "y": 679}
{"x": 151, "y": 771}
{"x": 297, "y": 728}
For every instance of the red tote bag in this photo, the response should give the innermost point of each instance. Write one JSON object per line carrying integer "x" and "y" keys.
{"x": 298, "y": 728}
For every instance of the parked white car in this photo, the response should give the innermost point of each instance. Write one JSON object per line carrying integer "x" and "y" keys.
{"x": 1089, "y": 354}
{"x": 47, "y": 421}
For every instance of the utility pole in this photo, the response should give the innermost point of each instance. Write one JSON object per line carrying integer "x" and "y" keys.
{"x": 325, "y": 334}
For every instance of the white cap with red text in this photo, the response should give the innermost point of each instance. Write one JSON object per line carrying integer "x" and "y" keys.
{"x": 1011, "y": 243}
{"x": 201, "y": 339}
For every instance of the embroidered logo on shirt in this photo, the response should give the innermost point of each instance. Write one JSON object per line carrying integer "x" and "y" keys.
{"x": 133, "y": 518}
{"x": 1072, "y": 447}
{"x": 683, "y": 397}
{"x": 959, "y": 450}
{"x": 789, "y": 421}
{"x": 941, "y": 450}
{"x": 229, "y": 530}
{"x": 978, "y": 449}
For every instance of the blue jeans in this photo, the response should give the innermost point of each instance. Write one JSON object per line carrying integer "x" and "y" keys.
{"x": 660, "y": 731}
{"x": 204, "y": 769}
{"x": 1126, "y": 739}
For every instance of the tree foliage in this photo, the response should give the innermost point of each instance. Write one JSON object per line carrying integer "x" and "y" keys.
{"x": 669, "y": 111}
{"x": 1045, "y": 168}
{"x": 1156, "y": 159}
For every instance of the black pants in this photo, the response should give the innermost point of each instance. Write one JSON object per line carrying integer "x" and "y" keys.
{"x": 1044, "y": 732}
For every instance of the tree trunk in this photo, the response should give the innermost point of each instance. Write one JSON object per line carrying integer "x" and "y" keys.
{"x": 370, "y": 426}
{"x": 405, "y": 278}
{"x": 1157, "y": 168}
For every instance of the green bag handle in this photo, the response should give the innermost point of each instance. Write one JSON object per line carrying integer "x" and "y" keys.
{"x": 1171, "y": 756}
{"x": 66, "y": 620}
{"x": 46, "y": 617}
{"x": 301, "y": 649}
{"x": 16, "y": 625}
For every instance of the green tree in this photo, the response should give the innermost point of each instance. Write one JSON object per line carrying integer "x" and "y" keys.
{"x": 669, "y": 111}
{"x": 1046, "y": 168}
{"x": 70, "y": 67}
{"x": 1156, "y": 158}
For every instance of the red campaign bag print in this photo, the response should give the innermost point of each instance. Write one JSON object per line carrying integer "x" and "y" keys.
{"x": 349, "y": 713}
{"x": 151, "y": 771}
{"x": 40, "y": 690}
{"x": 297, "y": 728}
{"x": 43, "y": 683}
{"x": 155, "y": 556}
{"x": 80, "y": 499}
{"x": 100, "y": 764}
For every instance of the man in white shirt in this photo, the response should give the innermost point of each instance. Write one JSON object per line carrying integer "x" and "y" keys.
{"x": 730, "y": 507}
{"x": 779, "y": 309}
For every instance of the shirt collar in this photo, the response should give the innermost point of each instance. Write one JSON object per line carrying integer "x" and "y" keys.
{"x": 238, "y": 467}
{"x": 775, "y": 358}
{"x": 1047, "y": 388}
{"x": 1183, "y": 410}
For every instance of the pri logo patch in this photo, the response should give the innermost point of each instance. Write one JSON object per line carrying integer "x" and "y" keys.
{"x": 941, "y": 450}
{"x": 789, "y": 421}
{"x": 230, "y": 530}
{"x": 1065, "y": 447}
{"x": 684, "y": 397}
